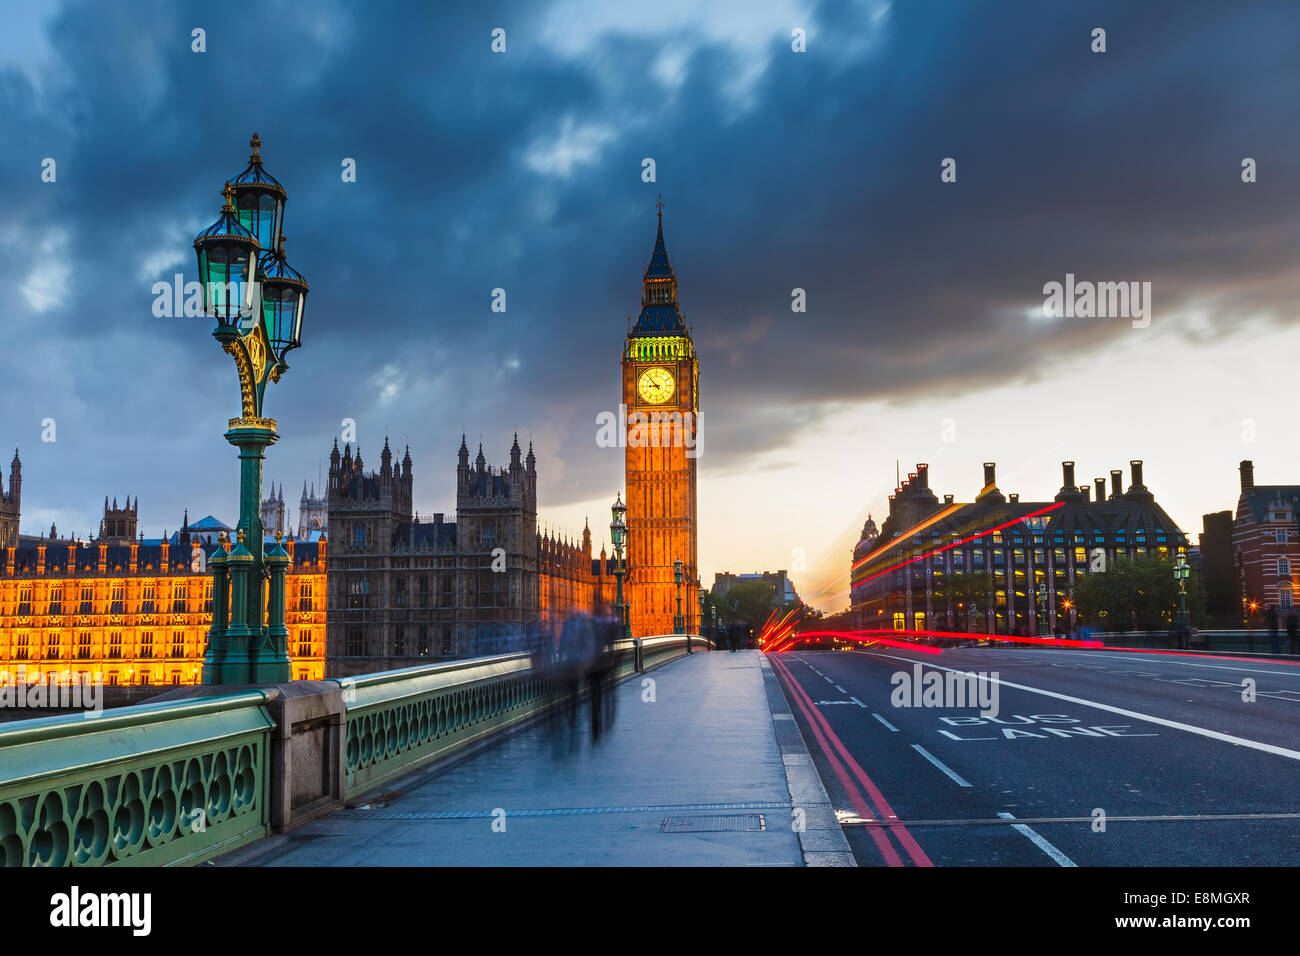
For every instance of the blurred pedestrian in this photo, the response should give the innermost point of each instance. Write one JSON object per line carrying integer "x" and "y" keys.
{"x": 600, "y": 675}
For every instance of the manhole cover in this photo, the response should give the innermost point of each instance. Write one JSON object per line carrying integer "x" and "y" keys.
{"x": 714, "y": 824}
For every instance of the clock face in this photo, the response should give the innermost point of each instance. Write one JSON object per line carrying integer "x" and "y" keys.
{"x": 655, "y": 386}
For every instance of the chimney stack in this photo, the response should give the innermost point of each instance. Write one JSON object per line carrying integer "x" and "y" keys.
{"x": 923, "y": 476}
{"x": 1086, "y": 491}
{"x": 989, "y": 477}
{"x": 1014, "y": 499}
{"x": 1116, "y": 482}
{"x": 947, "y": 499}
{"x": 1100, "y": 484}
{"x": 1067, "y": 473}
{"x": 1136, "y": 467}
{"x": 1247, "y": 476}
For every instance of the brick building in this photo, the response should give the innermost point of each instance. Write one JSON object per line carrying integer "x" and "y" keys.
{"x": 1265, "y": 545}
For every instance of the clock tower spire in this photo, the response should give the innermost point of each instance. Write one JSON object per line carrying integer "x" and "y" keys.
{"x": 661, "y": 396}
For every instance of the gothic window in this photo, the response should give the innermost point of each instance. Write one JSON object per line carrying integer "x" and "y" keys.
{"x": 354, "y": 642}
{"x": 304, "y": 643}
{"x": 56, "y": 599}
{"x": 21, "y": 647}
{"x": 87, "y": 599}
{"x": 178, "y": 644}
{"x": 115, "y": 645}
{"x": 147, "y": 598}
{"x": 359, "y": 593}
{"x": 25, "y": 600}
{"x": 304, "y": 596}
{"x": 399, "y": 641}
{"x": 207, "y": 597}
{"x": 118, "y": 598}
{"x": 178, "y": 598}
{"x": 146, "y": 645}
{"x": 52, "y": 647}
{"x": 83, "y": 646}
{"x": 359, "y": 537}
{"x": 399, "y": 595}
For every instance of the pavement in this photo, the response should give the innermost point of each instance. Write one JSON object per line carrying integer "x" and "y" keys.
{"x": 1093, "y": 758}
{"x": 696, "y": 771}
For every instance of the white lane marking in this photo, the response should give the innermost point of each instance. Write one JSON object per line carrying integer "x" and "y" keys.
{"x": 840, "y": 689}
{"x": 1149, "y": 718}
{"x": 858, "y": 702}
{"x": 823, "y": 703}
{"x": 1039, "y": 842}
{"x": 885, "y": 722}
{"x": 935, "y": 760}
{"x": 1171, "y": 659}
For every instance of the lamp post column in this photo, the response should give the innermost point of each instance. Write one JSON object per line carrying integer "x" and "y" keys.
{"x": 272, "y": 661}
{"x": 677, "y": 621}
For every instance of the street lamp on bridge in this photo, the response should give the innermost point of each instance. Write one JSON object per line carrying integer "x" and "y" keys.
{"x": 1042, "y": 610}
{"x": 257, "y": 300}
{"x": 678, "y": 627}
{"x": 703, "y": 596}
{"x": 1182, "y": 571}
{"x": 618, "y": 534}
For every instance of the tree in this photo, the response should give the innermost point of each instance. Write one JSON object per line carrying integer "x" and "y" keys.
{"x": 748, "y": 604}
{"x": 1136, "y": 594}
{"x": 964, "y": 590}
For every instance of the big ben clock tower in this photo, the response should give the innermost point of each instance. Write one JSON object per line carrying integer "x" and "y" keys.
{"x": 661, "y": 393}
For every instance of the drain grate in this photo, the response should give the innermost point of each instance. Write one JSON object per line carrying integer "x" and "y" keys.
{"x": 729, "y": 822}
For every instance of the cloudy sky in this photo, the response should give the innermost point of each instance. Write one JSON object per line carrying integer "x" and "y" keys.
{"x": 924, "y": 337}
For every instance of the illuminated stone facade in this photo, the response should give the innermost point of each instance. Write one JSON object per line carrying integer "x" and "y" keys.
{"x": 136, "y": 612}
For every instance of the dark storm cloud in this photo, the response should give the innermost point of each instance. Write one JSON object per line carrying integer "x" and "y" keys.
{"x": 522, "y": 171}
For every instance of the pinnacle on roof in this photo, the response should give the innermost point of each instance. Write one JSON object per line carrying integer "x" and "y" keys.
{"x": 659, "y": 266}
{"x": 659, "y": 312}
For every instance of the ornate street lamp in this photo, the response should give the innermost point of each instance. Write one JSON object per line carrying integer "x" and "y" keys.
{"x": 703, "y": 595}
{"x": 618, "y": 534}
{"x": 1182, "y": 571}
{"x": 257, "y": 299}
{"x": 677, "y": 621}
{"x": 1042, "y": 610}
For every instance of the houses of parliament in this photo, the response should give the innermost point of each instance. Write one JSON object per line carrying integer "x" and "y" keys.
{"x": 373, "y": 585}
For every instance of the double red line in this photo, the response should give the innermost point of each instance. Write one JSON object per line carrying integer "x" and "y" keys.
{"x": 865, "y": 796}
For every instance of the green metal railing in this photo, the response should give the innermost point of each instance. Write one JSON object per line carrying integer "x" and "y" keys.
{"x": 153, "y": 784}
{"x": 397, "y": 720}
